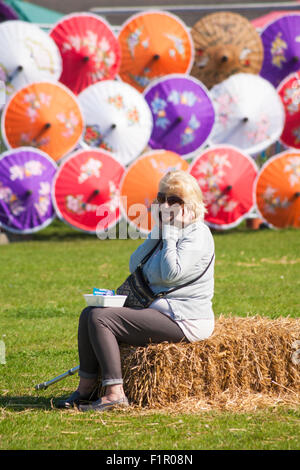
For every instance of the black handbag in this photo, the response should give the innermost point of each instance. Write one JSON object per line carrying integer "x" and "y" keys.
{"x": 139, "y": 294}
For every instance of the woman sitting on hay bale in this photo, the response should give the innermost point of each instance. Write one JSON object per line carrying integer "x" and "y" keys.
{"x": 181, "y": 265}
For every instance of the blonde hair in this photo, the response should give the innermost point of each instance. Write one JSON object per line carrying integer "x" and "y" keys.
{"x": 185, "y": 186}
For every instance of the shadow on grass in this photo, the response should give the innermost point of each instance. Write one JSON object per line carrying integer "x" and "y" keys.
{"x": 21, "y": 403}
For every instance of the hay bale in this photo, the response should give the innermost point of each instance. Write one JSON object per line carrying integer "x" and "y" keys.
{"x": 246, "y": 359}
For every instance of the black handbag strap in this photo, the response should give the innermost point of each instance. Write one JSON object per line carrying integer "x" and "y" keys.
{"x": 161, "y": 294}
{"x": 148, "y": 255}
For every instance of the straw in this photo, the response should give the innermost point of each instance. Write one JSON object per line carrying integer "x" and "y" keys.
{"x": 246, "y": 363}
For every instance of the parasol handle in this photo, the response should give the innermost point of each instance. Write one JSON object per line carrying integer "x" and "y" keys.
{"x": 86, "y": 58}
{"x": 295, "y": 59}
{"x": 174, "y": 124}
{"x": 109, "y": 130}
{"x": 296, "y": 195}
{"x": 154, "y": 58}
{"x": 245, "y": 119}
{"x": 28, "y": 193}
{"x": 44, "y": 128}
{"x": 15, "y": 73}
{"x": 91, "y": 197}
{"x": 225, "y": 190}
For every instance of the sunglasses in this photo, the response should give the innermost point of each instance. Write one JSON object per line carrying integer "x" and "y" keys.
{"x": 171, "y": 200}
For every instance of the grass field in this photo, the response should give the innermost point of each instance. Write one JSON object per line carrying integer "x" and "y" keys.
{"x": 41, "y": 285}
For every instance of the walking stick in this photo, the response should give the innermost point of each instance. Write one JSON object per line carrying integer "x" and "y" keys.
{"x": 45, "y": 385}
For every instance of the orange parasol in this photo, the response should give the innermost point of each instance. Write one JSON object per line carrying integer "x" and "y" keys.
{"x": 139, "y": 185}
{"x": 154, "y": 44}
{"x": 225, "y": 43}
{"x": 45, "y": 115}
{"x": 277, "y": 190}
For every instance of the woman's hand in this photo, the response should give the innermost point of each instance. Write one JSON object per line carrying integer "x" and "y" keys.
{"x": 177, "y": 215}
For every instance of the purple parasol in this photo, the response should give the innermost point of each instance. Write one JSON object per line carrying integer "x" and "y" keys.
{"x": 183, "y": 113}
{"x": 7, "y": 12}
{"x": 281, "y": 41}
{"x": 26, "y": 176}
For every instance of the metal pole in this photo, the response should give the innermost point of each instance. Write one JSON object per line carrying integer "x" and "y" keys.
{"x": 44, "y": 385}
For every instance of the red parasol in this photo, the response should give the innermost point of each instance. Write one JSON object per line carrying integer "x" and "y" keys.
{"x": 86, "y": 190}
{"x": 226, "y": 177}
{"x": 89, "y": 48}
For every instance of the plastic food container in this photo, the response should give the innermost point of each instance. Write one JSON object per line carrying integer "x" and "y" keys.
{"x": 105, "y": 300}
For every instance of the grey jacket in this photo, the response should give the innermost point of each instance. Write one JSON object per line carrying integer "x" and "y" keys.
{"x": 183, "y": 256}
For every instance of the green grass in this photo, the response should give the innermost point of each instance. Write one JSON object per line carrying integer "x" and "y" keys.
{"x": 42, "y": 281}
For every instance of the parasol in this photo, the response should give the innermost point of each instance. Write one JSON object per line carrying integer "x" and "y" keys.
{"x": 226, "y": 177}
{"x": 249, "y": 113}
{"x": 45, "y": 115}
{"x": 89, "y": 48}
{"x": 154, "y": 44}
{"x": 182, "y": 111}
{"x": 225, "y": 43}
{"x": 26, "y": 176}
{"x": 27, "y": 54}
{"x": 281, "y": 41}
{"x": 139, "y": 185}
{"x": 117, "y": 118}
{"x": 277, "y": 190}
{"x": 289, "y": 92}
{"x": 86, "y": 190}
{"x": 7, "y": 12}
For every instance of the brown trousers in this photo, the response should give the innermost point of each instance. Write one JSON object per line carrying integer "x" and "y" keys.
{"x": 102, "y": 329}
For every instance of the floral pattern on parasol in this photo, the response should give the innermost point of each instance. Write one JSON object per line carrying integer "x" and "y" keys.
{"x": 44, "y": 115}
{"x": 226, "y": 177}
{"x": 153, "y": 44}
{"x": 86, "y": 190}
{"x": 117, "y": 117}
{"x": 26, "y": 176}
{"x": 89, "y": 48}
{"x": 289, "y": 92}
{"x": 278, "y": 190}
{"x": 183, "y": 114}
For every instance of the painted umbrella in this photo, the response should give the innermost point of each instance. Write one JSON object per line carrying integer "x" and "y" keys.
{"x": 226, "y": 177}
{"x": 154, "y": 44}
{"x": 86, "y": 190}
{"x": 281, "y": 40}
{"x": 117, "y": 118}
{"x": 249, "y": 113}
{"x": 26, "y": 177}
{"x": 139, "y": 185}
{"x": 89, "y": 48}
{"x": 27, "y": 55}
{"x": 225, "y": 43}
{"x": 7, "y": 12}
{"x": 289, "y": 92}
{"x": 45, "y": 115}
{"x": 277, "y": 190}
{"x": 183, "y": 113}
